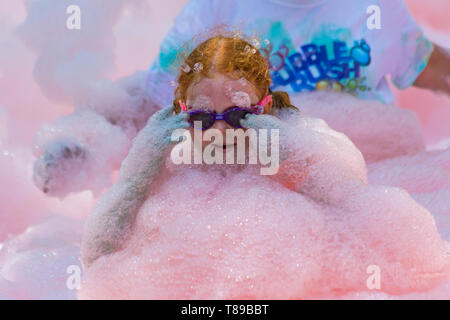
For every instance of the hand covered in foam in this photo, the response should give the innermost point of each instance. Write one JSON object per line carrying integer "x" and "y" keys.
{"x": 265, "y": 121}
{"x": 50, "y": 168}
{"x": 314, "y": 159}
{"x": 150, "y": 144}
{"x": 160, "y": 127}
{"x": 78, "y": 152}
{"x": 108, "y": 225}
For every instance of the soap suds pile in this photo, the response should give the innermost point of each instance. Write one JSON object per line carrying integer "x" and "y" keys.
{"x": 245, "y": 236}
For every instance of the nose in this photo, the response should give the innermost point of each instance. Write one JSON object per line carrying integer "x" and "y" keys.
{"x": 222, "y": 126}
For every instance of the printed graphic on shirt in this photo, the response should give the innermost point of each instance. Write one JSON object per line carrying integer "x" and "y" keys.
{"x": 329, "y": 64}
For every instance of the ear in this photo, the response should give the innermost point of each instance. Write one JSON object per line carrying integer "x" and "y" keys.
{"x": 268, "y": 106}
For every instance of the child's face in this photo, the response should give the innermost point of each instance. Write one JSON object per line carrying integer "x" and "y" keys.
{"x": 219, "y": 93}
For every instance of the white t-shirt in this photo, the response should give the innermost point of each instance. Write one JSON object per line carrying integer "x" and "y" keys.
{"x": 310, "y": 44}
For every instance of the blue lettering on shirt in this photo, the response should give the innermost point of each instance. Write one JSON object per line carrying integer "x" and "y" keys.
{"x": 312, "y": 68}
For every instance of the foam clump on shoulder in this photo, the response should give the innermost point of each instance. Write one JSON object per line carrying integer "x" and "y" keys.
{"x": 379, "y": 130}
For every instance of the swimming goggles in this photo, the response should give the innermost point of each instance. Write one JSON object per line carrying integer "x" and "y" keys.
{"x": 232, "y": 115}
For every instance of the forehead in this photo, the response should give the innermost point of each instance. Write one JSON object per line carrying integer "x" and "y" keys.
{"x": 221, "y": 86}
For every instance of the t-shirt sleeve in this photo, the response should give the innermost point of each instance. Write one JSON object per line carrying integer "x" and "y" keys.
{"x": 196, "y": 18}
{"x": 408, "y": 49}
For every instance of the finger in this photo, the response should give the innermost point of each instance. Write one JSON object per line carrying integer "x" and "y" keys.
{"x": 166, "y": 112}
{"x": 183, "y": 124}
{"x": 173, "y": 140}
{"x": 263, "y": 121}
{"x": 179, "y": 118}
{"x": 175, "y": 122}
{"x": 250, "y": 121}
{"x": 183, "y": 116}
{"x": 180, "y": 122}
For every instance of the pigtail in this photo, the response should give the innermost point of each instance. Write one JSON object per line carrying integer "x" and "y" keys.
{"x": 280, "y": 100}
{"x": 176, "y": 106}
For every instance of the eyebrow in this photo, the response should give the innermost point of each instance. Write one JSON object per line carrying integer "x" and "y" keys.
{"x": 200, "y": 107}
{"x": 199, "y": 87}
{"x": 226, "y": 108}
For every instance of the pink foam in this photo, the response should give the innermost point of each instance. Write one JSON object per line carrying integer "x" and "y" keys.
{"x": 249, "y": 237}
{"x": 35, "y": 264}
{"x": 332, "y": 247}
{"x": 422, "y": 172}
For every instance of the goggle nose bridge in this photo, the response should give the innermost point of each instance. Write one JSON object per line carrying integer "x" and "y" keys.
{"x": 220, "y": 116}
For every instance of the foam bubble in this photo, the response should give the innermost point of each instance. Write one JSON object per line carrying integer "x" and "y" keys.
{"x": 198, "y": 67}
{"x": 256, "y": 43}
{"x": 422, "y": 172}
{"x": 186, "y": 68}
{"x": 241, "y": 99}
{"x": 69, "y": 62}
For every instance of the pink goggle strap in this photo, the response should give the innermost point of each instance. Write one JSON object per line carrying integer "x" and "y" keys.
{"x": 182, "y": 105}
{"x": 262, "y": 103}
{"x": 266, "y": 100}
